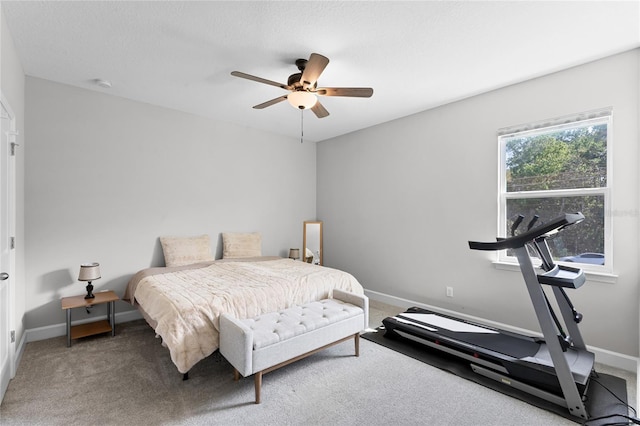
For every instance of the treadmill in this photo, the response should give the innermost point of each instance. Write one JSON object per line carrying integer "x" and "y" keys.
{"x": 556, "y": 368}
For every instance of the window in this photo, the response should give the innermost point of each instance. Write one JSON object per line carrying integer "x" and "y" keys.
{"x": 559, "y": 167}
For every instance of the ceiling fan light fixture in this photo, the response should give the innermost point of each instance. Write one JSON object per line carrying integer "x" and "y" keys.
{"x": 302, "y": 99}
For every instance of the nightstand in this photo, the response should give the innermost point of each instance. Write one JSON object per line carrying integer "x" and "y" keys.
{"x": 95, "y": 327}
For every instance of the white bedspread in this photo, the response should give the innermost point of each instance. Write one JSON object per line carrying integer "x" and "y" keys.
{"x": 184, "y": 305}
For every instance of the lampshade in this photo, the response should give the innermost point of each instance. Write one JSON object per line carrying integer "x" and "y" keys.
{"x": 89, "y": 271}
{"x": 302, "y": 99}
{"x": 294, "y": 253}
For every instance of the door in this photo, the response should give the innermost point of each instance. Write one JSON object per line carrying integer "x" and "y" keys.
{"x": 7, "y": 227}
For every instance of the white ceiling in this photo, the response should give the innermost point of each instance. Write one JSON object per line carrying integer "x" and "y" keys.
{"x": 416, "y": 55}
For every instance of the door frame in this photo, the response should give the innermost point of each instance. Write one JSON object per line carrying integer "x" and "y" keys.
{"x": 8, "y": 138}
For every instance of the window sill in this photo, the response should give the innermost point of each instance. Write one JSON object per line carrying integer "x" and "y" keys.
{"x": 601, "y": 277}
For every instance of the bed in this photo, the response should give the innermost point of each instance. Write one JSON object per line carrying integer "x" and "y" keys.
{"x": 183, "y": 302}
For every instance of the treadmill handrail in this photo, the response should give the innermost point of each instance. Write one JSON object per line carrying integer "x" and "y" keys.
{"x": 552, "y": 226}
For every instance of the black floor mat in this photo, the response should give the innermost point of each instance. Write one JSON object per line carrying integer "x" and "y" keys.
{"x": 600, "y": 395}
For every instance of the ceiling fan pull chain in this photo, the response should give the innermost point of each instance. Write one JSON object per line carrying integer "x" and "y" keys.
{"x": 301, "y": 124}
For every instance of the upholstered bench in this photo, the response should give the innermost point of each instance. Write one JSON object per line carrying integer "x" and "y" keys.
{"x": 272, "y": 340}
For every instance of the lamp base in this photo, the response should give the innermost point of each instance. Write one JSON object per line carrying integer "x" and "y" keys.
{"x": 89, "y": 291}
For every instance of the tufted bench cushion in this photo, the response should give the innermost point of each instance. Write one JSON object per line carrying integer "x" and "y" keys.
{"x": 279, "y": 326}
{"x": 269, "y": 341}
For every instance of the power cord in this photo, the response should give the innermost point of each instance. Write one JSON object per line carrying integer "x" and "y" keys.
{"x": 630, "y": 420}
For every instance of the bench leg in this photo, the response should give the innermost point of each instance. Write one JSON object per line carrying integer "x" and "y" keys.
{"x": 258, "y": 375}
{"x": 258, "y": 380}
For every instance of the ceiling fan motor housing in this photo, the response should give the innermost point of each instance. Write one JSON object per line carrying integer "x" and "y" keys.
{"x": 294, "y": 80}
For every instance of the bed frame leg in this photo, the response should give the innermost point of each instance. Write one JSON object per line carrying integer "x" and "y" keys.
{"x": 185, "y": 376}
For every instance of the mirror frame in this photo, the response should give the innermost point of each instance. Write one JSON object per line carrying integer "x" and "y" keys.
{"x": 304, "y": 238}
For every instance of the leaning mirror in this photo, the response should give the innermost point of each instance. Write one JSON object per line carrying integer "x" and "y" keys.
{"x": 312, "y": 242}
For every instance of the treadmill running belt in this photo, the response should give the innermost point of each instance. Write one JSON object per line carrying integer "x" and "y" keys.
{"x": 504, "y": 344}
{"x": 439, "y": 326}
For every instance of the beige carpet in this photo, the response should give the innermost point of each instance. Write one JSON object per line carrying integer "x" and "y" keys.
{"x": 129, "y": 380}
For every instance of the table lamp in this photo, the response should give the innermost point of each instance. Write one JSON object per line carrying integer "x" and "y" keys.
{"x": 89, "y": 272}
{"x": 294, "y": 254}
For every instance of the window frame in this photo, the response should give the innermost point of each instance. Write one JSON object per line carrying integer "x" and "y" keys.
{"x": 603, "y": 116}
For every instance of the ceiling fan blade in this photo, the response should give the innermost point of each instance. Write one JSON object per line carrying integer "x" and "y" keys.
{"x": 315, "y": 65}
{"x": 319, "y": 110}
{"x": 259, "y": 79}
{"x": 354, "y": 92}
{"x": 271, "y": 102}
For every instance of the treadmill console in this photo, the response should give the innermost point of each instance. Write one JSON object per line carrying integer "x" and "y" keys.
{"x": 520, "y": 240}
{"x": 555, "y": 275}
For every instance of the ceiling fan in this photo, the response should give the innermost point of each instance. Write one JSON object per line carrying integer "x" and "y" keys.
{"x": 303, "y": 86}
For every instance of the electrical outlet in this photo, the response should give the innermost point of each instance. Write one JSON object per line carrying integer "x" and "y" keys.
{"x": 449, "y": 291}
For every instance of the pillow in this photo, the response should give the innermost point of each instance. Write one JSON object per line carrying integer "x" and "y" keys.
{"x": 179, "y": 251}
{"x": 237, "y": 245}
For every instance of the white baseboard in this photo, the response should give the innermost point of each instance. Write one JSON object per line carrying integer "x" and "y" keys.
{"x": 57, "y": 330}
{"x": 20, "y": 350}
{"x": 603, "y": 356}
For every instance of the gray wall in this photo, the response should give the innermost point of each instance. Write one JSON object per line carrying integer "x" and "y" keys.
{"x": 12, "y": 82}
{"x": 400, "y": 200}
{"x": 106, "y": 177}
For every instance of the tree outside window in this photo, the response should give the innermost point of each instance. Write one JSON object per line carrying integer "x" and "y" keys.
{"x": 560, "y": 169}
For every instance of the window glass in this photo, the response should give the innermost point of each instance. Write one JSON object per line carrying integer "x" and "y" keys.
{"x": 581, "y": 243}
{"x": 560, "y": 169}
{"x": 575, "y": 157}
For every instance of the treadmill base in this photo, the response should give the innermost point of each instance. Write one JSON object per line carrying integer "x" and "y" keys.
{"x": 599, "y": 401}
